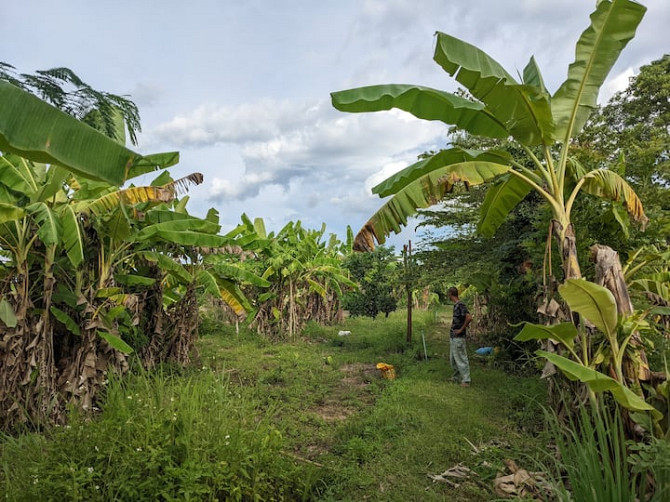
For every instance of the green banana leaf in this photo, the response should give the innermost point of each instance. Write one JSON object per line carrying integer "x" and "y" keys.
{"x": 35, "y": 130}
{"x": 599, "y": 382}
{"x": 533, "y": 76}
{"x": 152, "y": 162}
{"x": 189, "y": 238}
{"x": 55, "y": 178}
{"x": 115, "y": 342}
{"x": 48, "y": 223}
{"x": 10, "y": 212}
{"x": 65, "y": 319}
{"x": 238, "y": 274}
{"x": 72, "y": 237}
{"x": 40, "y": 132}
{"x": 317, "y": 288}
{"x": 594, "y": 302}
{"x": 178, "y": 224}
{"x": 565, "y": 332}
{"x": 424, "y": 103}
{"x": 7, "y": 314}
{"x": 134, "y": 280}
{"x": 499, "y": 200}
{"x": 523, "y": 109}
{"x": 169, "y": 265}
{"x": 226, "y": 290}
{"x": 443, "y": 158}
{"x": 259, "y": 227}
{"x": 422, "y": 192}
{"x": 16, "y": 176}
{"x": 613, "y": 25}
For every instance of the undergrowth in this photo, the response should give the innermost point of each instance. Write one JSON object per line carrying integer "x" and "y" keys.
{"x": 310, "y": 420}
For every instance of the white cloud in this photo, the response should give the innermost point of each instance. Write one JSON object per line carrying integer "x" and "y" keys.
{"x": 615, "y": 84}
{"x": 281, "y": 141}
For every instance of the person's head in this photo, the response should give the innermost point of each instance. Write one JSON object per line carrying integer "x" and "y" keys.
{"x": 453, "y": 293}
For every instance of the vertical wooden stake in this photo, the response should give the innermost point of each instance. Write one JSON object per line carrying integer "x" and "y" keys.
{"x": 407, "y": 254}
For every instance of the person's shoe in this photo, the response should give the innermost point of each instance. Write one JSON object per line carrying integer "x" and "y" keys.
{"x": 465, "y": 384}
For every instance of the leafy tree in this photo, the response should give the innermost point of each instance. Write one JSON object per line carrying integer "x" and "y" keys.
{"x": 376, "y": 274}
{"x": 631, "y": 133}
{"x": 62, "y": 88}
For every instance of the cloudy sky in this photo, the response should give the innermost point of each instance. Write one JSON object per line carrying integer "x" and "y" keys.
{"x": 241, "y": 88}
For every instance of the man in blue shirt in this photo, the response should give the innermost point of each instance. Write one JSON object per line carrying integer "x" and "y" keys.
{"x": 458, "y": 356}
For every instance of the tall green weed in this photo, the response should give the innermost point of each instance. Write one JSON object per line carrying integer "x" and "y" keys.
{"x": 157, "y": 438}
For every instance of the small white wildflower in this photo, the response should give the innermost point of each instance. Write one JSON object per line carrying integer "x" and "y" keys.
{"x": 129, "y": 397}
{"x": 97, "y": 487}
{"x": 90, "y": 470}
{"x": 172, "y": 399}
{"x": 138, "y": 449}
{"x": 96, "y": 448}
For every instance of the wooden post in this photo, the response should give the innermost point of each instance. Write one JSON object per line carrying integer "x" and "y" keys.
{"x": 407, "y": 256}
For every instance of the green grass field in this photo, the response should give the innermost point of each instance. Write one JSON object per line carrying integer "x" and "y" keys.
{"x": 310, "y": 420}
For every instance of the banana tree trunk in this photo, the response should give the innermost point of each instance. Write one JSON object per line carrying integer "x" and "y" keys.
{"x": 184, "y": 328}
{"x": 42, "y": 348}
{"x": 610, "y": 275}
{"x": 567, "y": 244}
{"x": 16, "y": 405}
{"x": 153, "y": 324}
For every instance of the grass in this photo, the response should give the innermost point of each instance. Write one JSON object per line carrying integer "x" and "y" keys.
{"x": 310, "y": 420}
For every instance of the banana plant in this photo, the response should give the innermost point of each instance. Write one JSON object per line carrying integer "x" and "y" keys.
{"x": 37, "y": 131}
{"x": 501, "y": 107}
{"x": 594, "y": 356}
{"x": 304, "y": 273}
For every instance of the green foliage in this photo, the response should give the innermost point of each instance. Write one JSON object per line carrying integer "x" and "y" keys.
{"x": 590, "y": 463}
{"x": 159, "y": 437}
{"x": 62, "y": 88}
{"x": 126, "y": 262}
{"x": 297, "y": 275}
{"x": 376, "y": 274}
{"x": 596, "y": 304}
{"x": 653, "y": 459}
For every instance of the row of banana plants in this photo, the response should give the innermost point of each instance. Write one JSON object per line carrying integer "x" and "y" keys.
{"x": 301, "y": 271}
{"x": 90, "y": 271}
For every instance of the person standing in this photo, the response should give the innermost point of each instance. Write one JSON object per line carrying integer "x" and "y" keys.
{"x": 458, "y": 356}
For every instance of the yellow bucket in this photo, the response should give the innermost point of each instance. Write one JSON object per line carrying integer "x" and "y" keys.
{"x": 388, "y": 371}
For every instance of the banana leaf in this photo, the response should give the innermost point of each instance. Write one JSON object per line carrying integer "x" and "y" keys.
{"x": 423, "y": 192}
{"x": 613, "y": 25}
{"x": 523, "y": 109}
{"x": 565, "y": 332}
{"x": 424, "y": 103}
{"x": 499, "y": 200}
{"x": 456, "y": 155}
{"x": 609, "y": 185}
{"x": 72, "y": 237}
{"x": 594, "y": 302}
{"x": 599, "y": 382}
